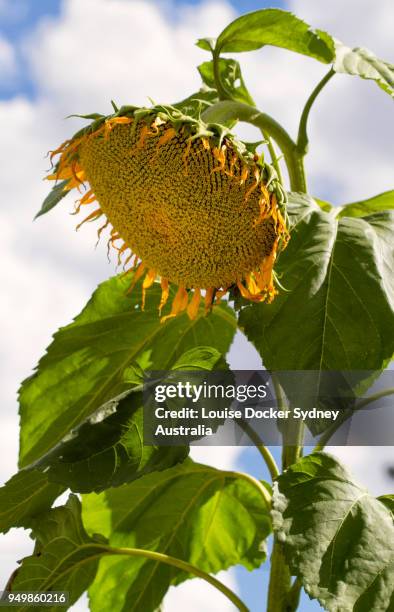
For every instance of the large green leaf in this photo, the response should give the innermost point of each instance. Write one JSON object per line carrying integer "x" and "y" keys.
{"x": 89, "y": 361}
{"x": 25, "y": 495}
{"x": 207, "y": 517}
{"x": 107, "y": 450}
{"x": 278, "y": 28}
{"x": 337, "y": 538}
{"x": 383, "y": 201}
{"x": 363, "y": 63}
{"x": 283, "y": 29}
{"x": 65, "y": 557}
{"x": 337, "y": 312}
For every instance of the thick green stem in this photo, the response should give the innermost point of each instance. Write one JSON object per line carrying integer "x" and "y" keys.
{"x": 293, "y": 439}
{"x": 280, "y": 580}
{"x": 182, "y": 565}
{"x": 293, "y": 430}
{"x": 228, "y": 110}
{"x": 302, "y": 140}
{"x": 282, "y": 596}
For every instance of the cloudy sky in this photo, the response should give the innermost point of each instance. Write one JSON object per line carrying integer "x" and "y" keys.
{"x": 74, "y": 56}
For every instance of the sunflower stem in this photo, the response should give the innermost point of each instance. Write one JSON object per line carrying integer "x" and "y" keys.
{"x": 280, "y": 579}
{"x": 282, "y": 596}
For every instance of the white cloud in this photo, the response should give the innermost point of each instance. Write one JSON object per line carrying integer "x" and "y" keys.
{"x": 357, "y": 23}
{"x": 197, "y": 595}
{"x": 126, "y": 51}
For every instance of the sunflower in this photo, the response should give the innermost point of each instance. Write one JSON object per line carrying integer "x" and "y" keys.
{"x": 187, "y": 203}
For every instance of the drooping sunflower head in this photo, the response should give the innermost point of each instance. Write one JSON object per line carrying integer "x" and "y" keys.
{"x": 187, "y": 203}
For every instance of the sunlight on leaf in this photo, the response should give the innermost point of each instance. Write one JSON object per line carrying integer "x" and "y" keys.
{"x": 86, "y": 364}
{"x": 193, "y": 512}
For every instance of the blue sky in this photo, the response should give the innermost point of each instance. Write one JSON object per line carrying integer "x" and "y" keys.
{"x": 15, "y": 24}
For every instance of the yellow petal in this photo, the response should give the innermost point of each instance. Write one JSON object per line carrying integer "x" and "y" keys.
{"x": 165, "y": 291}
{"x": 148, "y": 282}
{"x": 192, "y": 309}
{"x": 138, "y": 273}
{"x": 179, "y": 304}
{"x": 220, "y": 294}
{"x": 94, "y": 215}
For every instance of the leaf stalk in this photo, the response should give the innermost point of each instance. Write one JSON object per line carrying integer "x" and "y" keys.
{"x": 325, "y": 438}
{"x": 182, "y": 565}
{"x": 263, "y": 450}
{"x": 303, "y": 140}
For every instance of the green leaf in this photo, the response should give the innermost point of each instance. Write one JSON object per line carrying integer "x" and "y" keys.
{"x": 337, "y": 538}
{"x": 25, "y": 495}
{"x": 363, "y": 63}
{"x": 207, "y": 517}
{"x": 383, "y": 201}
{"x": 326, "y": 206}
{"x": 65, "y": 557}
{"x": 87, "y": 363}
{"x": 92, "y": 116}
{"x": 388, "y": 501}
{"x": 278, "y": 28}
{"x": 195, "y": 104}
{"x": 230, "y": 76}
{"x": 208, "y": 44}
{"x": 107, "y": 450}
{"x": 57, "y": 193}
{"x": 337, "y": 312}
{"x": 199, "y": 358}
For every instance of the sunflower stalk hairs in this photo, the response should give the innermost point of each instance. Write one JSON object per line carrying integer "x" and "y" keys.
{"x": 187, "y": 203}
